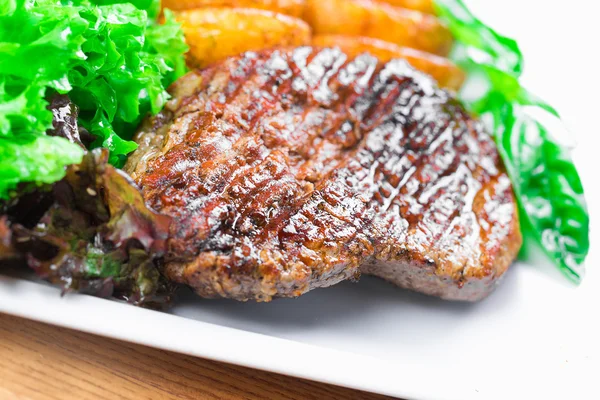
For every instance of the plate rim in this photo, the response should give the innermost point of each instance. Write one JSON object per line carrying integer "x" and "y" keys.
{"x": 133, "y": 324}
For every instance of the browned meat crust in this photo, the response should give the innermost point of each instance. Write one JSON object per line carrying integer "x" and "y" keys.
{"x": 288, "y": 170}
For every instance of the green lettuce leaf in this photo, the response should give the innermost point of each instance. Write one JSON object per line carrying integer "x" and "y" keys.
{"x": 34, "y": 158}
{"x": 110, "y": 56}
{"x": 553, "y": 210}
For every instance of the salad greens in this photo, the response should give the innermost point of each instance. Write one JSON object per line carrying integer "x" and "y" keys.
{"x": 110, "y": 56}
{"x": 90, "y": 232}
{"x": 34, "y": 158}
{"x": 96, "y": 237}
{"x": 546, "y": 183}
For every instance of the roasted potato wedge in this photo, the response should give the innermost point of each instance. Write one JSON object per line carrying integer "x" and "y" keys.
{"x": 217, "y": 33}
{"x": 425, "y": 6}
{"x": 294, "y": 8}
{"x": 407, "y": 28}
{"x": 447, "y": 74}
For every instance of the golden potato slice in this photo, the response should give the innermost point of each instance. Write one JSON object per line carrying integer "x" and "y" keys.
{"x": 425, "y": 6}
{"x": 404, "y": 27}
{"x": 294, "y": 8}
{"x": 217, "y": 33}
{"x": 447, "y": 74}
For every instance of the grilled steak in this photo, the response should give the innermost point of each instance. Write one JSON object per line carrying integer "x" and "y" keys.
{"x": 289, "y": 170}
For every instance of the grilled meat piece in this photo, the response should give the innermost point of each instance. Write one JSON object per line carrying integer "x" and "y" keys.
{"x": 289, "y": 170}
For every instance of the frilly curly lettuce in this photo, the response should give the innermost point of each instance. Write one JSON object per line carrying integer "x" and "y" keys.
{"x": 34, "y": 158}
{"x": 110, "y": 56}
{"x": 553, "y": 210}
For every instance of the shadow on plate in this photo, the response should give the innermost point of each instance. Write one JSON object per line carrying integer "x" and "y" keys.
{"x": 354, "y": 306}
{"x": 370, "y": 309}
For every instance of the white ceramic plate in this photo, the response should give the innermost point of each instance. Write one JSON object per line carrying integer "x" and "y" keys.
{"x": 536, "y": 337}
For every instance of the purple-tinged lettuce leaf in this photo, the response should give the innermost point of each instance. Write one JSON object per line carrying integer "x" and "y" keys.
{"x": 96, "y": 237}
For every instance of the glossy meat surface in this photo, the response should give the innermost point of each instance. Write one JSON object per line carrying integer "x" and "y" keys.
{"x": 289, "y": 170}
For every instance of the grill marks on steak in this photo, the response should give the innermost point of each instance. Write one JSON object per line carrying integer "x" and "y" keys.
{"x": 290, "y": 169}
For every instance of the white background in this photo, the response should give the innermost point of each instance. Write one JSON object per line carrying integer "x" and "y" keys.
{"x": 536, "y": 337}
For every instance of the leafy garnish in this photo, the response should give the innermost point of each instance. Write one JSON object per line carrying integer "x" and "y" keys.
{"x": 34, "y": 158}
{"x": 108, "y": 55}
{"x": 96, "y": 236}
{"x": 547, "y": 186}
